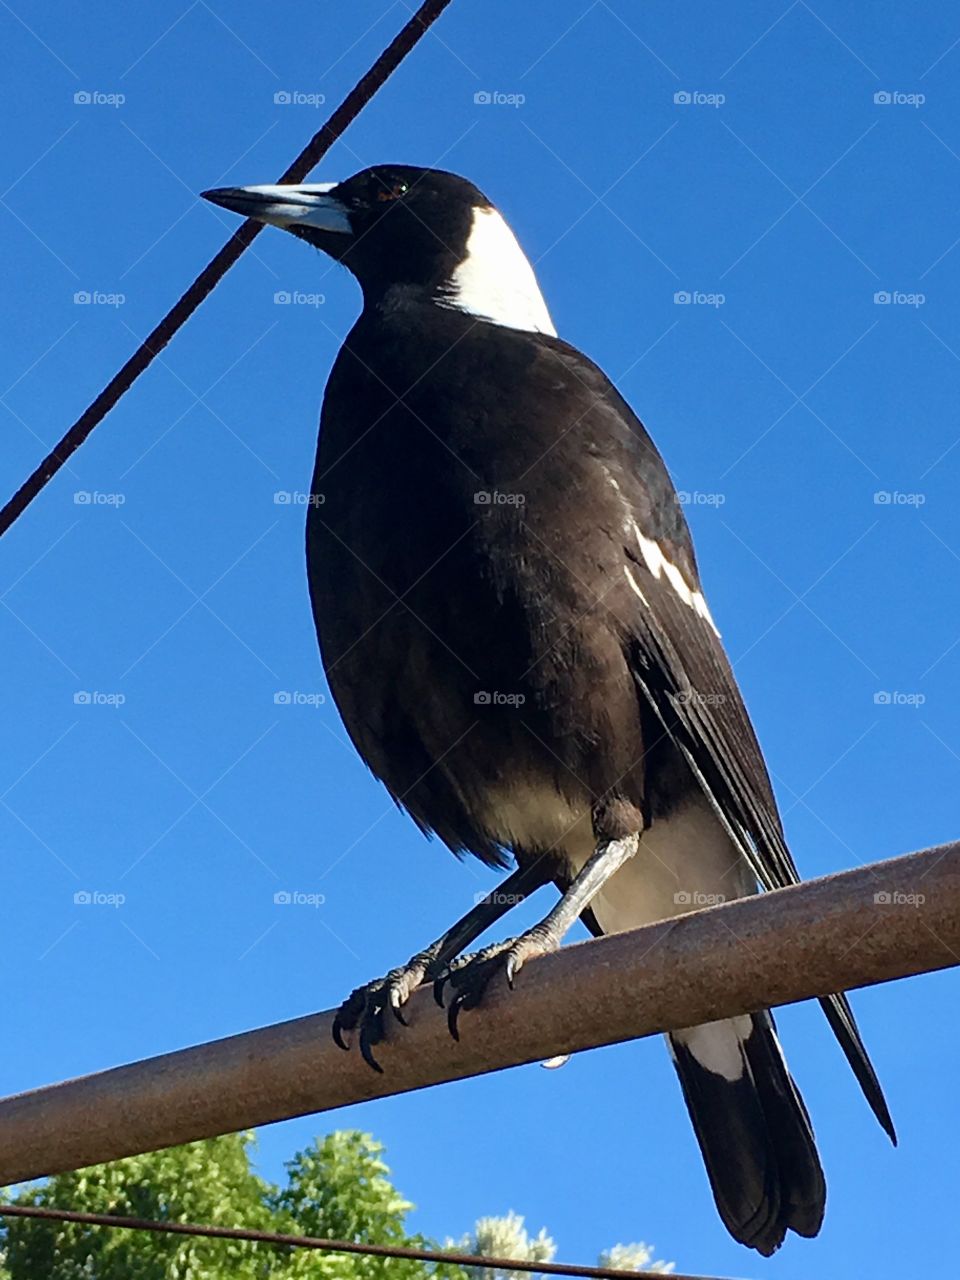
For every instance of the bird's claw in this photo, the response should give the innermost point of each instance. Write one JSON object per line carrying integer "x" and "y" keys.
{"x": 364, "y": 1009}
{"x": 469, "y": 976}
{"x": 396, "y": 1006}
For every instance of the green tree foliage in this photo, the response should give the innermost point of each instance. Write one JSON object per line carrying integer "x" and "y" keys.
{"x": 507, "y": 1237}
{"x": 339, "y": 1187}
{"x": 203, "y": 1182}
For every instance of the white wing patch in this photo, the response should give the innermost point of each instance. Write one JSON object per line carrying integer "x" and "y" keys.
{"x": 633, "y": 583}
{"x": 718, "y": 1045}
{"x": 660, "y": 566}
{"x": 495, "y": 281}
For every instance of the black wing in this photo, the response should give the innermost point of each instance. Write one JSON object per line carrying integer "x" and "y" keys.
{"x": 679, "y": 664}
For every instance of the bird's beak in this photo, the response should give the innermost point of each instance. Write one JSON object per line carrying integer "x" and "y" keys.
{"x": 287, "y": 206}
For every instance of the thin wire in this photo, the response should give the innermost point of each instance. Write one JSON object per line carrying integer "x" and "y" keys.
{"x": 333, "y": 1246}
{"x": 210, "y": 276}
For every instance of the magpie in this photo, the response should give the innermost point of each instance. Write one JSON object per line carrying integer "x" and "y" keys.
{"x": 513, "y": 628}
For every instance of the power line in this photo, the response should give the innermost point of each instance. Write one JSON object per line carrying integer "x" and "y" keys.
{"x": 330, "y": 1246}
{"x": 216, "y": 269}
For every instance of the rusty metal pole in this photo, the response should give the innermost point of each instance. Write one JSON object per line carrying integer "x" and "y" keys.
{"x": 880, "y": 922}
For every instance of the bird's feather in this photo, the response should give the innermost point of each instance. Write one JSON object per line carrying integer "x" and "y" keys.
{"x": 683, "y": 673}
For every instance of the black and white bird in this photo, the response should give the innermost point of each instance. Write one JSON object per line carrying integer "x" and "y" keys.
{"x": 512, "y": 624}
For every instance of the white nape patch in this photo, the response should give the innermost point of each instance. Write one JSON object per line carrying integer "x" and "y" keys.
{"x": 658, "y": 564}
{"x": 633, "y": 583}
{"x": 495, "y": 281}
{"x": 717, "y": 1045}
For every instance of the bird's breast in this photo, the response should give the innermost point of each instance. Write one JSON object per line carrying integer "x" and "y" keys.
{"x": 465, "y": 567}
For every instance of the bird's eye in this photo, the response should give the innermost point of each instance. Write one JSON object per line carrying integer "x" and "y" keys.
{"x": 393, "y": 190}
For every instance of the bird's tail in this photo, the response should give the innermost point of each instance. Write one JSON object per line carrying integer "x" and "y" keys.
{"x": 753, "y": 1130}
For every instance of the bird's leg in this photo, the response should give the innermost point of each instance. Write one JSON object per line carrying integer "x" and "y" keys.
{"x": 470, "y": 976}
{"x": 365, "y": 1007}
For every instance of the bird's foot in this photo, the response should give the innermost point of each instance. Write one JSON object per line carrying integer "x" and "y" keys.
{"x": 469, "y": 976}
{"x": 365, "y": 1008}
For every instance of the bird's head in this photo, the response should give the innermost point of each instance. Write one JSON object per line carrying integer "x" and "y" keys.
{"x": 424, "y": 230}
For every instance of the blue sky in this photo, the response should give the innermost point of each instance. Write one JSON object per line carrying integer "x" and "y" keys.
{"x": 783, "y": 199}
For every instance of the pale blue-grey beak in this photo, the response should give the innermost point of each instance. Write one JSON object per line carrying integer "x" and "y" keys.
{"x": 309, "y": 205}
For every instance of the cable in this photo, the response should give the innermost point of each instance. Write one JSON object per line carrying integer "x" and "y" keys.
{"x": 333, "y": 1246}
{"x": 210, "y": 276}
